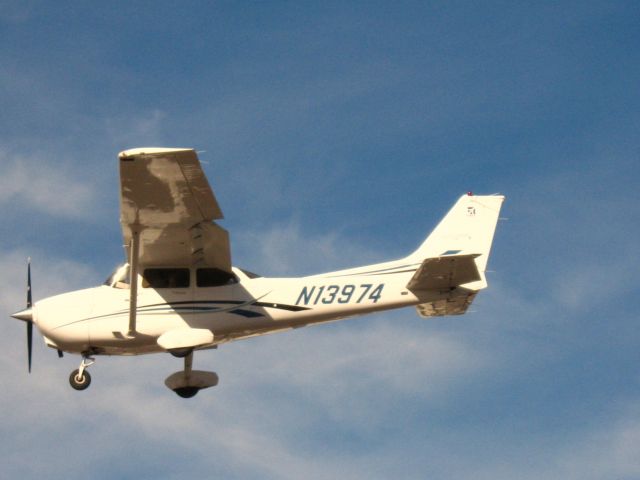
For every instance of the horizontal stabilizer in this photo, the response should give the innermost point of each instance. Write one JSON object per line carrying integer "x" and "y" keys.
{"x": 447, "y": 306}
{"x": 445, "y": 272}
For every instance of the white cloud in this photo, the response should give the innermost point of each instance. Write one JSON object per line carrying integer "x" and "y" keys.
{"x": 351, "y": 371}
{"x": 272, "y": 390}
{"x": 140, "y": 130}
{"x": 279, "y": 394}
{"x": 275, "y": 390}
{"x": 284, "y": 249}
{"x": 610, "y": 451}
{"x": 50, "y": 276}
{"x": 595, "y": 282}
{"x": 49, "y": 186}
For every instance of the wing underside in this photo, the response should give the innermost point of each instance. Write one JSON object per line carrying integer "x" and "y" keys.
{"x": 166, "y": 198}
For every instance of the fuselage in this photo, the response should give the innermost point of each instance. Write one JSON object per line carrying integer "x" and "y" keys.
{"x": 178, "y": 291}
{"x": 96, "y": 320}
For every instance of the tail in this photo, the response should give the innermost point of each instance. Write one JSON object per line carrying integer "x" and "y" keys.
{"x": 467, "y": 229}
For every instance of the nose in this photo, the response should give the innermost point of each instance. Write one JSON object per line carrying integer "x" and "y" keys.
{"x": 62, "y": 319}
{"x": 28, "y": 316}
{"x": 25, "y": 315}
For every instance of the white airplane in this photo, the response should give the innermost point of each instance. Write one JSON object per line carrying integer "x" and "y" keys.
{"x": 178, "y": 292}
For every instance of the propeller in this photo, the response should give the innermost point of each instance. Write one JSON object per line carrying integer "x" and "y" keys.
{"x": 26, "y": 315}
{"x": 30, "y": 322}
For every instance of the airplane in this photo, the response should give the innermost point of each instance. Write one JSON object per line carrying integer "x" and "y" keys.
{"x": 178, "y": 292}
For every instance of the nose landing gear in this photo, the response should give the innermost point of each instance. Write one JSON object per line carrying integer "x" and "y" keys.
{"x": 80, "y": 378}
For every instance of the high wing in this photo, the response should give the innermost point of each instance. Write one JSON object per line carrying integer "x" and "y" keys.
{"x": 166, "y": 200}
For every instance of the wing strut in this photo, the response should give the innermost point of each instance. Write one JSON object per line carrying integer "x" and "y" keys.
{"x": 133, "y": 282}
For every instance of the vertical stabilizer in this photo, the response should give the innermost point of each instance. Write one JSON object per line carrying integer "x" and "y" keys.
{"x": 467, "y": 229}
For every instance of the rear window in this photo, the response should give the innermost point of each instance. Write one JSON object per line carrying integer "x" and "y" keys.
{"x": 166, "y": 278}
{"x": 214, "y": 277}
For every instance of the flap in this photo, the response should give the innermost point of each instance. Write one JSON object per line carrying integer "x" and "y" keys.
{"x": 445, "y": 272}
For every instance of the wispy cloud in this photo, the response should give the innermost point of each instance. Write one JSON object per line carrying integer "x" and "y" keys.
{"x": 50, "y": 276}
{"x": 284, "y": 249}
{"x": 362, "y": 369}
{"x": 295, "y": 106}
{"x": 612, "y": 451}
{"x": 51, "y": 187}
{"x": 142, "y": 129}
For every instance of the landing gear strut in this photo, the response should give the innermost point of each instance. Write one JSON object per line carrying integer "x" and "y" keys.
{"x": 80, "y": 378}
{"x": 188, "y": 382}
{"x": 187, "y": 391}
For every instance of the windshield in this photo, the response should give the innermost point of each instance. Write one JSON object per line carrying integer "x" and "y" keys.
{"x": 119, "y": 278}
{"x": 249, "y": 274}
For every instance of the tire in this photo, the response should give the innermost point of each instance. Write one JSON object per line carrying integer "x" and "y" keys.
{"x": 79, "y": 383}
{"x": 186, "y": 392}
{"x": 181, "y": 352}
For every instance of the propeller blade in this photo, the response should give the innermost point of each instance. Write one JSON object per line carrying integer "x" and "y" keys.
{"x": 30, "y": 321}
{"x": 29, "y": 342}
{"x": 29, "y": 283}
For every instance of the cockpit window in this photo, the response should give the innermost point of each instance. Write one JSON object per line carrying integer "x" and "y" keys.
{"x": 166, "y": 278}
{"x": 214, "y": 277}
{"x": 119, "y": 278}
{"x": 250, "y": 274}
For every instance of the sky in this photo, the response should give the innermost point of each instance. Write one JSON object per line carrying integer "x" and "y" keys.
{"x": 336, "y": 134}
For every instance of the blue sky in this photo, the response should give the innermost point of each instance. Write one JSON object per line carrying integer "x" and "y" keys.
{"x": 336, "y": 134}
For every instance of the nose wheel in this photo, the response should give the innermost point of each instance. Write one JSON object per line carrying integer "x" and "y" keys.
{"x": 80, "y": 378}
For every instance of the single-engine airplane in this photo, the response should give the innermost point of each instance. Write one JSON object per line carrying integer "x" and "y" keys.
{"x": 178, "y": 292}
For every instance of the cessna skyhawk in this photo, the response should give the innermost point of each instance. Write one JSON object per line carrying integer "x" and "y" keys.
{"x": 178, "y": 292}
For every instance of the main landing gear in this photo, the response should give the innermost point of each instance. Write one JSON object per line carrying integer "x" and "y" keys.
{"x": 188, "y": 382}
{"x": 80, "y": 378}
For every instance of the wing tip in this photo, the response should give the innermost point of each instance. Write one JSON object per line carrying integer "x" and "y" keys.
{"x": 150, "y": 151}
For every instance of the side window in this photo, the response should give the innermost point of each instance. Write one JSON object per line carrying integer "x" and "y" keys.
{"x": 119, "y": 278}
{"x": 214, "y": 277}
{"x": 165, "y": 278}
